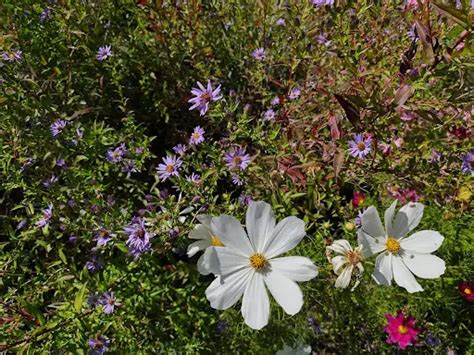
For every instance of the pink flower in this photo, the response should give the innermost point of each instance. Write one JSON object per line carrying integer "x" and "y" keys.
{"x": 401, "y": 330}
{"x": 358, "y": 199}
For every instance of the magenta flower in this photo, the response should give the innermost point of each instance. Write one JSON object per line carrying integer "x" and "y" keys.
{"x": 169, "y": 168}
{"x": 103, "y": 53}
{"x": 259, "y": 54}
{"x": 13, "y": 56}
{"x": 401, "y": 330}
{"x": 360, "y": 147}
{"x": 57, "y": 127}
{"x": 197, "y": 136}
{"x": 180, "y": 149}
{"x": 468, "y": 163}
{"x": 47, "y": 215}
{"x": 237, "y": 158}
{"x": 203, "y": 96}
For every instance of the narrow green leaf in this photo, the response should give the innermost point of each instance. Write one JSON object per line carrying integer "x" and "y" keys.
{"x": 80, "y": 298}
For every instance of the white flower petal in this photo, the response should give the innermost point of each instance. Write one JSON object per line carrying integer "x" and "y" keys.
{"x": 260, "y": 223}
{"x": 224, "y": 261}
{"x": 426, "y": 241}
{"x": 232, "y": 234}
{"x": 255, "y": 303}
{"x": 338, "y": 263}
{"x": 371, "y": 224}
{"x": 370, "y": 246}
{"x": 426, "y": 266}
{"x": 383, "y": 272}
{"x": 208, "y": 261}
{"x": 296, "y": 268}
{"x": 200, "y": 232}
{"x": 408, "y": 217}
{"x": 388, "y": 218}
{"x": 286, "y": 235}
{"x": 193, "y": 248}
{"x": 403, "y": 277}
{"x": 285, "y": 291}
{"x": 223, "y": 294}
{"x": 205, "y": 219}
{"x": 340, "y": 246}
{"x": 202, "y": 265}
{"x": 344, "y": 278}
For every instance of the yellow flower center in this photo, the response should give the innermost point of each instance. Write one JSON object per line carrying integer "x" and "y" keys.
{"x": 467, "y": 291}
{"x": 353, "y": 257}
{"x": 361, "y": 146}
{"x": 216, "y": 242}
{"x": 170, "y": 168}
{"x": 393, "y": 246}
{"x": 206, "y": 96}
{"x": 402, "y": 329}
{"x": 258, "y": 261}
{"x": 196, "y": 135}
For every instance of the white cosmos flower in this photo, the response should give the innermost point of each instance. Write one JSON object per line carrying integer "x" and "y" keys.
{"x": 246, "y": 264}
{"x": 299, "y": 350}
{"x": 205, "y": 238}
{"x": 401, "y": 256}
{"x": 347, "y": 262}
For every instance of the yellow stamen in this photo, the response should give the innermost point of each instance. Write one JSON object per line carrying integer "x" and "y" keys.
{"x": 353, "y": 257}
{"x": 402, "y": 329}
{"x": 393, "y": 246}
{"x": 170, "y": 168}
{"x": 467, "y": 291}
{"x": 258, "y": 261}
{"x": 216, "y": 242}
{"x": 361, "y": 146}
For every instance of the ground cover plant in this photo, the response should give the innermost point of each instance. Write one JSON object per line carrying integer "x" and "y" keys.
{"x": 236, "y": 177}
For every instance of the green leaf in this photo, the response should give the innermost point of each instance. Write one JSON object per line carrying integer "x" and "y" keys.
{"x": 122, "y": 247}
{"x": 80, "y": 298}
{"x": 62, "y": 256}
{"x": 453, "y": 14}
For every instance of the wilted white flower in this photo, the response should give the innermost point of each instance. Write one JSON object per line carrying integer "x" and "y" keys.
{"x": 346, "y": 263}
{"x": 299, "y": 350}
{"x": 401, "y": 256}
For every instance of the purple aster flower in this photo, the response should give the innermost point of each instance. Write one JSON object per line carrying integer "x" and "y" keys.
{"x": 197, "y": 136}
{"x": 102, "y": 236}
{"x": 314, "y": 324}
{"x": 50, "y": 181}
{"x": 13, "y": 56}
{"x": 435, "y": 156}
{"x": 294, "y": 93}
{"x": 203, "y": 96}
{"x": 358, "y": 219}
{"x": 103, "y": 53}
{"x": 320, "y": 3}
{"x": 280, "y": 22}
{"x": 468, "y": 163}
{"x": 93, "y": 299}
{"x": 138, "y": 240}
{"x": 169, "y": 168}
{"x": 269, "y": 115}
{"x": 236, "y": 180}
{"x": 116, "y": 155}
{"x": 47, "y": 215}
{"x": 222, "y": 326}
{"x": 245, "y": 199}
{"x": 174, "y": 232}
{"x": 196, "y": 178}
{"x": 94, "y": 264}
{"x": 323, "y": 40}
{"x": 360, "y": 147}
{"x": 45, "y": 14}
{"x": 21, "y": 225}
{"x": 61, "y": 163}
{"x": 139, "y": 150}
{"x": 180, "y": 149}
{"x": 129, "y": 167}
{"x": 57, "y": 127}
{"x": 275, "y": 101}
{"x": 98, "y": 346}
{"x": 259, "y": 54}
{"x": 109, "y": 302}
{"x": 237, "y": 158}
{"x": 432, "y": 340}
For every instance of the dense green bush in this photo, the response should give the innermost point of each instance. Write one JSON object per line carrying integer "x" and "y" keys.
{"x": 336, "y": 71}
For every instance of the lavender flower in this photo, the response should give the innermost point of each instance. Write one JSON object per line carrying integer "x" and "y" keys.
{"x": 320, "y": 3}
{"x": 57, "y": 127}
{"x": 275, "y": 101}
{"x": 103, "y": 53}
{"x": 180, "y": 149}
{"x": 222, "y": 326}
{"x": 99, "y": 346}
{"x": 13, "y": 56}
{"x": 61, "y": 163}
{"x": 237, "y": 158}
{"x": 269, "y": 115}
{"x": 236, "y": 180}
{"x": 294, "y": 93}
{"x": 197, "y": 136}
{"x": 116, "y": 155}
{"x": 93, "y": 299}
{"x": 45, "y": 14}
{"x": 47, "y": 215}
{"x": 245, "y": 199}
{"x": 468, "y": 163}
{"x": 360, "y": 147}
{"x": 129, "y": 167}
{"x": 203, "y": 96}
{"x": 259, "y": 54}
{"x": 109, "y": 302}
{"x": 138, "y": 240}
{"x": 323, "y": 40}
{"x": 435, "y": 156}
{"x": 50, "y": 181}
{"x": 169, "y": 168}
{"x": 94, "y": 264}
{"x": 280, "y": 22}
{"x": 102, "y": 236}
{"x": 195, "y": 178}
{"x": 21, "y": 225}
